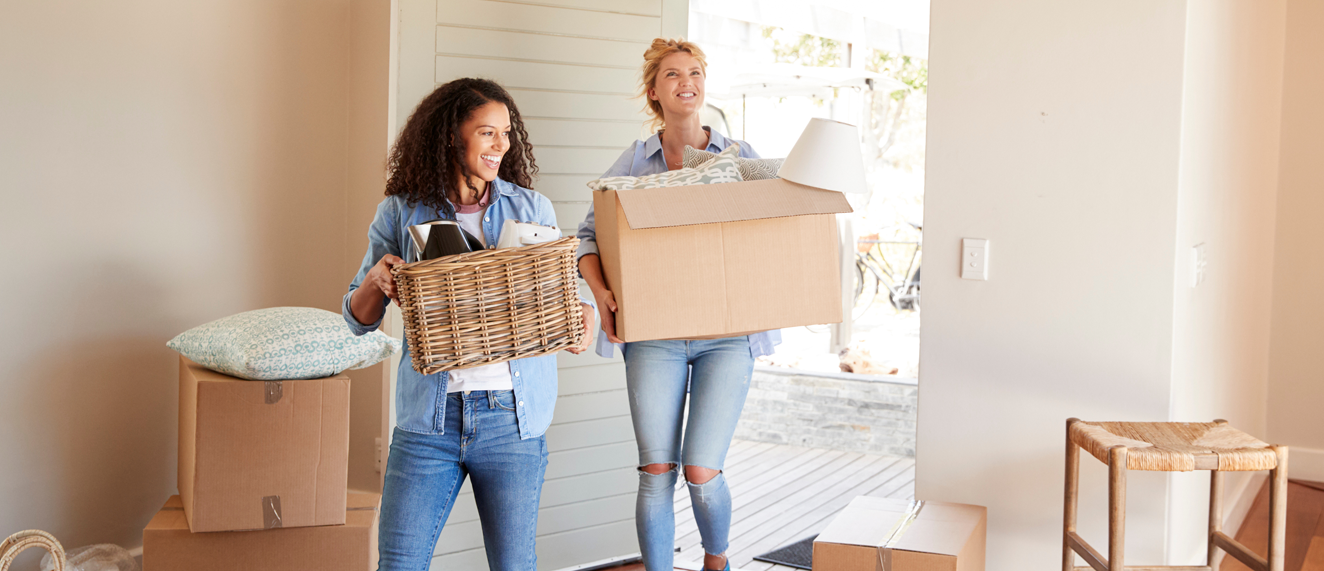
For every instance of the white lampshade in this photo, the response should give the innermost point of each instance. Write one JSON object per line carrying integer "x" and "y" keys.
{"x": 827, "y": 155}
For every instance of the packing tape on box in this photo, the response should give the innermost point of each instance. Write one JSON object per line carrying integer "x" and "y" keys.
{"x": 275, "y": 390}
{"x": 898, "y": 530}
{"x": 903, "y": 524}
{"x": 271, "y": 511}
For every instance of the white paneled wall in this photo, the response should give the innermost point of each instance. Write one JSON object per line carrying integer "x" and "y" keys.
{"x": 572, "y": 67}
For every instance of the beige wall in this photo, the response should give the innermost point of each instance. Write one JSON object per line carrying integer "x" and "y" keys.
{"x": 369, "y": 133}
{"x": 1296, "y": 386}
{"x": 1231, "y": 103}
{"x": 163, "y": 164}
{"x": 1053, "y": 132}
{"x": 1094, "y": 144}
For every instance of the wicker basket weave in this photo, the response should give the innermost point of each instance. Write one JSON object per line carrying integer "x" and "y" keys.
{"x": 17, "y": 543}
{"x": 490, "y": 306}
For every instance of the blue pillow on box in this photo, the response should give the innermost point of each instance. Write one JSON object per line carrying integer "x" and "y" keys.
{"x": 282, "y": 343}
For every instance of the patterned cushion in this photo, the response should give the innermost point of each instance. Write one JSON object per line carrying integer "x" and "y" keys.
{"x": 722, "y": 168}
{"x": 282, "y": 343}
{"x": 750, "y": 169}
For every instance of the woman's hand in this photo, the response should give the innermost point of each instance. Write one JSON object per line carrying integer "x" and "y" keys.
{"x": 380, "y": 276}
{"x": 366, "y": 303}
{"x": 590, "y": 266}
{"x": 607, "y": 301}
{"x": 588, "y": 330}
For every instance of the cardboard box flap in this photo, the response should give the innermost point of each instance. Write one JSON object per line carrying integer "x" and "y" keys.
{"x": 924, "y": 527}
{"x": 939, "y": 528}
{"x": 867, "y": 521}
{"x": 726, "y": 202}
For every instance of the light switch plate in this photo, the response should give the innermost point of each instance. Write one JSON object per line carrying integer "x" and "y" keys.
{"x": 974, "y": 259}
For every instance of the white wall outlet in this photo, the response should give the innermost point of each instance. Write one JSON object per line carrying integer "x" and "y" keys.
{"x": 378, "y": 442}
{"x": 1199, "y": 261}
{"x": 974, "y": 259}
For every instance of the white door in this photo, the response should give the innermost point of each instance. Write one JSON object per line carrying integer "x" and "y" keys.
{"x": 572, "y": 67}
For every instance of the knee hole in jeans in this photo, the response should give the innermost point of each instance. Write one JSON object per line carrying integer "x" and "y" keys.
{"x": 698, "y": 475}
{"x": 656, "y": 469}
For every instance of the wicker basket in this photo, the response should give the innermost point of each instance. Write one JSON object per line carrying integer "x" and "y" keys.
{"x": 490, "y": 306}
{"x": 17, "y": 543}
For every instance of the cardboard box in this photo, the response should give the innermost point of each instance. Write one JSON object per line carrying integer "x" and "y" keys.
{"x": 877, "y": 534}
{"x": 168, "y": 545}
{"x": 720, "y": 260}
{"x": 261, "y": 454}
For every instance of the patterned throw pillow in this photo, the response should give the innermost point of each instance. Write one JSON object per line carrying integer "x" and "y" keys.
{"x": 750, "y": 169}
{"x": 722, "y": 168}
{"x": 282, "y": 343}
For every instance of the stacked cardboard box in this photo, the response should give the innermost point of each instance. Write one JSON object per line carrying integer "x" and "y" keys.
{"x": 262, "y": 479}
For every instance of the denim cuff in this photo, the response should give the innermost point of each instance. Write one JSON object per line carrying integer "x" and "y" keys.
{"x": 354, "y": 326}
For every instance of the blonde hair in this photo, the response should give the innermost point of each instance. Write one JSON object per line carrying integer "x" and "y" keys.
{"x": 659, "y": 50}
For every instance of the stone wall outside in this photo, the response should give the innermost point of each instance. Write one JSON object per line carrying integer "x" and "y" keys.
{"x": 852, "y": 413}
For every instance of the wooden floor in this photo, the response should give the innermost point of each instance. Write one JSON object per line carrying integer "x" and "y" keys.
{"x": 1305, "y": 528}
{"x": 781, "y": 494}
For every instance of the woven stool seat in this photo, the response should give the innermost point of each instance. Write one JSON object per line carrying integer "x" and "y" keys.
{"x": 1171, "y": 447}
{"x": 1175, "y": 446}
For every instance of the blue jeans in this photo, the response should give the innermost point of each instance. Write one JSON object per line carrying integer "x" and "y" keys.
{"x": 425, "y": 471}
{"x": 716, "y": 373}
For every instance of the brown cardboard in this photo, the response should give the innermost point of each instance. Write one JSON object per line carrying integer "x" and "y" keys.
{"x": 881, "y": 534}
{"x": 720, "y": 260}
{"x": 245, "y": 464}
{"x": 168, "y": 545}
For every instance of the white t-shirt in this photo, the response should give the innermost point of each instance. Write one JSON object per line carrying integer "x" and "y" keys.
{"x": 495, "y": 377}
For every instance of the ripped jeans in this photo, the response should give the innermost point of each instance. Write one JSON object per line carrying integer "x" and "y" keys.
{"x": 657, "y": 373}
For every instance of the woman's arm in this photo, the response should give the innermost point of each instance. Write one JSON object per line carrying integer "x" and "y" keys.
{"x": 590, "y": 266}
{"x": 373, "y": 287}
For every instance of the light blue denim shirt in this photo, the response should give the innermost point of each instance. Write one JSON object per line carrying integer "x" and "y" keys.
{"x": 420, "y": 400}
{"x": 644, "y": 158}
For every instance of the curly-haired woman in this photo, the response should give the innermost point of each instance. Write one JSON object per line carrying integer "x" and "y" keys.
{"x": 716, "y": 372}
{"x": 463, "y": 155}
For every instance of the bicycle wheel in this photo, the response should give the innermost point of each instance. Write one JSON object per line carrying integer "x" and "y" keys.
{"x": 866, "y": 289}
{"x": 908, "y": 297}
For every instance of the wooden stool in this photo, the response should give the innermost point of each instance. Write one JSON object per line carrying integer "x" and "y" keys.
{"x": 1172, "y": 447}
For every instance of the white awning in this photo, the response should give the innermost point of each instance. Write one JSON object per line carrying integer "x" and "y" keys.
{"x": 897, "y": 26}
{"x": 785, "y": 79}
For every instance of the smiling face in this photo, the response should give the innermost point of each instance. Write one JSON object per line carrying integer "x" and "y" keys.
{"x": 678, "y": 87}
{"x": 486, "y": 139}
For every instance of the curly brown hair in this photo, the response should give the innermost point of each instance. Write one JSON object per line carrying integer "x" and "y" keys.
{"x": 429, "y": 154}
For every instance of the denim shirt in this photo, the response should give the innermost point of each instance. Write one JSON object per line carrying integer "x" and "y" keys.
{"x": 420, "y": 400}
{"x": 643, "y": 158}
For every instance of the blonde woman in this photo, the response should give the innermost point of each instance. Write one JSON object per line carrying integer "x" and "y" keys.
{"x": 716, "y": 372}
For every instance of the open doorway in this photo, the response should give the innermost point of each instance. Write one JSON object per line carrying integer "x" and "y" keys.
{"x": 832, "y": 414}
{"x": 766, "y": 81}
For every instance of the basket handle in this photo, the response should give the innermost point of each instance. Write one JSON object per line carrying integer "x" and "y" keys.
{"x": 22, "y": 540}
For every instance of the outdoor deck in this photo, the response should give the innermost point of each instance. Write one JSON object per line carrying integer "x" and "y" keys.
{"x": 782, "y": 494}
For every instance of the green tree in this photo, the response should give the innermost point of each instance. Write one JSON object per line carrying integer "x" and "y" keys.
{"x": 887, "y": 111}
{"x": 805, "y": 49}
